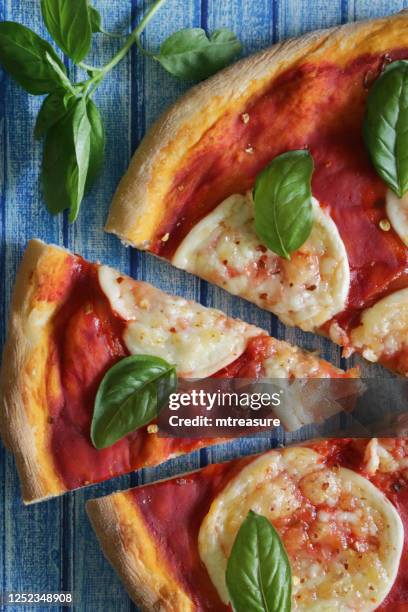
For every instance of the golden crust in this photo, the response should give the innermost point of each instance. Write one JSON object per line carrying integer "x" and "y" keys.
{"x": 138, "y": 206}
{"x": 23, "y": 400}
{"x": 136, "y": 557}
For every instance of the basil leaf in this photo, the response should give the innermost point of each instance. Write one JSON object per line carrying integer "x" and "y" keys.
{"x": 386, "y": 126}
{"x": 23, "y": 54}
{"x": 96, "y": 23}
{"x": 65, "y": 161}
{"x": 52, "y": 110}
{"x": 95, "y": 19}
{"x": 189, "y": 54}
{"x": 97, "y": 143}
{"x": 283, "y": 202}
{"x": 258, "y": 572}
{"x": 130, "y": 395}
{"x": 69, "y": 24}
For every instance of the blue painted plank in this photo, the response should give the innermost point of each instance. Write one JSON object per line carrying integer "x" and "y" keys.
{"x": 364, "y": 9}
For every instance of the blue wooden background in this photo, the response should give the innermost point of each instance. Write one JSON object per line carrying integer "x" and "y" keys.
{"x": 51, "y": 547}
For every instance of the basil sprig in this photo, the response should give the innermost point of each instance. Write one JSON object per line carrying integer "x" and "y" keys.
{"x": 386, "y": 126}
{"x": 131, "y": 394}
{"x": 190, "y": 54}
{"x": 68, "y": 118}
{"x": 258, "y": 572}
{"x": 283, "y": 202}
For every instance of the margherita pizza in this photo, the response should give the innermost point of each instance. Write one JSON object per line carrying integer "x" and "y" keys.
{"x": 71, "y": 322}
{"x": 188, "y": 195}
{"x": 340, "y": 508}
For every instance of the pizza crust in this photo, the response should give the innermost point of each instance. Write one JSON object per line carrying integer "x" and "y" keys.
{"x": 136, "y": 557}
{"x": 22, "y": 381}
{"x": 139, "y": 206}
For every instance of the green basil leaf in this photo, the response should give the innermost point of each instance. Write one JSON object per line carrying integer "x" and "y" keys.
{"x": 283, "y": 202}
{"x": 23, "y": 54}
{"x": 52, "y": 110}
{"x": 69, "y": 24}
{"x": 258, "y": 572}
{"x": 386, "y": 126}
{"x": 189, "y": 54}
{"x": 131, "y": 394}
{"x": 66, "y": 160}
{"x": 96, "y": 19}
{"x": 97, "y": 143}
{"x": 96, "y": 23}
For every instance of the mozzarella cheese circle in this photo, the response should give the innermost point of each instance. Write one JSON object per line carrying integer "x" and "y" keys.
{"x": 383, "y": 331}
{"x": 199, "y": 341}
{"x": 343, "y": 537}
{"x": 306, "y": 291}
{"x": 397, "y": 212}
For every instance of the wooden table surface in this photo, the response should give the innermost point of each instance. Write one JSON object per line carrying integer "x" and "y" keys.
{"x": 51, "y": 546}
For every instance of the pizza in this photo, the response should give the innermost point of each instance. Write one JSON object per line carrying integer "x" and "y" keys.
{"x": 71, "y": 321}
{"x": 188, "y": 193}
{"x": 340, "y": 508}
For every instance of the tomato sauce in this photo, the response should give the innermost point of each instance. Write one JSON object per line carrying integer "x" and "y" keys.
{"x": 87, "y": 340}
{"x": 173, "y": 511}
{"x": 319, "y": 107}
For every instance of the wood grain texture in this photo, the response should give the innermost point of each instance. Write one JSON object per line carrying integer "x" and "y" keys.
{"x": 51, "y": 546}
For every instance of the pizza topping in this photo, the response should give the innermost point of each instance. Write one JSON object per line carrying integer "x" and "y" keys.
{"x": 258, "y": 573}
{"x": 198, "y": 340}
{"x": 342, "y": 536}
{"x": 306, "y": 290}
{"x": 386, "y": 125}
{"x": 385, "y": 457}
{"x": 382, "y": 332}
{"x": 385, "y": 225}
{"x": 131, "y": 394}
{"x": 286, "y": 362}
{"x": 283, "y": 202}
{"x": 397, "y": 211}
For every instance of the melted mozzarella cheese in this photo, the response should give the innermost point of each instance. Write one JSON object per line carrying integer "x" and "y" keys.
{"x": 303, "y": 403}
{"x": 383, "y": 330}
{"x": 397, "y": 212}
{"x": 344, "y": 557}
{"x": 306, "y": 291}
{"x": 198, "y": 340}
{"x": 385, "y": 456}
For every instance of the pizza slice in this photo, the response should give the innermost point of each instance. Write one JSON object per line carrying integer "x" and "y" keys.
{"x": 282, "y": 180}
{"x": 338, "y": 506}
{"x": 71, "y": 322}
